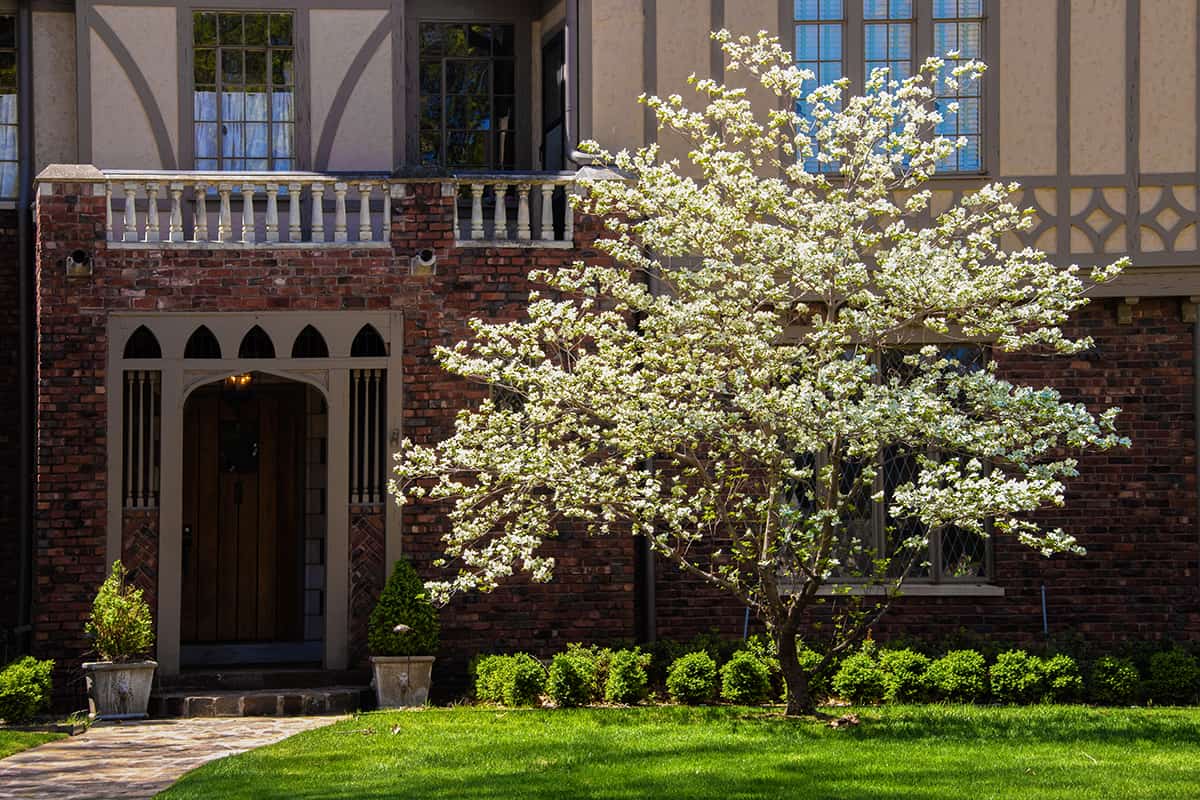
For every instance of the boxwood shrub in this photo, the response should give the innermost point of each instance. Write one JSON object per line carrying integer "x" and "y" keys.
{"x": 860, "y": 678}
{"x": 1061, "y": 681}
{"x": 693, "y": 679}
{"x": 960, "y": 676}
{"x": 904, "y": 675}
{"x": 1114, "y": 682}
{"x": 745, "y": 679}
{"x": 1173, "y": 678}
{"x": 572, "y": 679}
{"x": 25, "y": 689}
{"x": 1017, "y": 677}
{"x": 627, "y": 681}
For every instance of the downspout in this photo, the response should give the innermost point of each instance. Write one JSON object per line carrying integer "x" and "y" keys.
{"x": 25, "y": 280}
{"x": 1196, "y": 408}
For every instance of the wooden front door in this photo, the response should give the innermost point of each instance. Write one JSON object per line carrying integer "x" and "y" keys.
{"x": 243, "y": 511}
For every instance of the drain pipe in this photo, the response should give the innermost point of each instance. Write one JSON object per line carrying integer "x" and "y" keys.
{"x": 1195, "y": 301}
{"x": 25, "y": 270}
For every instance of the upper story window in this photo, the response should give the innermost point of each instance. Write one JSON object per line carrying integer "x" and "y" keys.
{"x": 850, "y": 38}
{"x": 245, "y": 90}
{"x": 467, "y": 96}
{"x": 8, "y": 106}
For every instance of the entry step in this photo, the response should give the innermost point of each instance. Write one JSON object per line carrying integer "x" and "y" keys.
{"x": 272, "y": 703}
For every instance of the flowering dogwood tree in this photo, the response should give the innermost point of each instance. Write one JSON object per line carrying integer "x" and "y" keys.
{"x": 770, "y": 340}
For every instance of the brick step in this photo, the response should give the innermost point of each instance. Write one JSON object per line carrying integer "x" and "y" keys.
{"x": 292, "y": 702}
{"x": 261, "y": 679}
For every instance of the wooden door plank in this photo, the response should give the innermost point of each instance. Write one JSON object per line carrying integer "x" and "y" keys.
{"x": 206, "y": 536}
{"x": 227, "y": 557}
{"x": 187, "y": 611}
{"x": 268, "y": 467}
{"x": 247, "y": 530}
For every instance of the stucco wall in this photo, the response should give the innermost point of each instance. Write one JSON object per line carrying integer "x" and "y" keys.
{"x": 617, "y": 63}
{"x": 1167, "y": 140}
{"x": 1097, "y": 86}
{"x": 54, "y": 96}
{"x": 1027, "y": 68}
{"x": 362, "y": 133}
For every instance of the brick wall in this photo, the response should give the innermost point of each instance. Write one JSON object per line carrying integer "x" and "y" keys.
{"x": 9, "y": 421}
{"x": 590, "y": 600}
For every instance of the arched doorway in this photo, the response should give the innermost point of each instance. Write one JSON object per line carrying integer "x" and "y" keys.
{"x": 253, "y": 522}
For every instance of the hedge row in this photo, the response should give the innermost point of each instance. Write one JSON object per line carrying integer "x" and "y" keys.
{"x": 25, "y": 689}
{"x": 747, "y": 673}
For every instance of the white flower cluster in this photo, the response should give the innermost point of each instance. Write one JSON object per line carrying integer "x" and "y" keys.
{"x": 721, "y": 390}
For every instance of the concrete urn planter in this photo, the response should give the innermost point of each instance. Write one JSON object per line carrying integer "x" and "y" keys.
{"x": 401, "y": 681}
{"x": 119, "y": 691}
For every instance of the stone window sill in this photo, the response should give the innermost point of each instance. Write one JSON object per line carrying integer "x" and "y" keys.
{"x": 922, "y": 590}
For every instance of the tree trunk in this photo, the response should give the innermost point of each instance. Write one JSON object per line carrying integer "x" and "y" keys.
{"x": 799, "y": 701}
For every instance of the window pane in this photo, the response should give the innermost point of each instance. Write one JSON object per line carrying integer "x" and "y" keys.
{"x": 807, "y": 38}
{"x": 430, "y": 148}
{"x": 467, "y": 77}
{"x": 281, "y": 29}
{"x": 233, "y": 106}
{"x": 970, "y": 39}
{"x": 431, "y": 78}
{"x": 230, "y": 28}
{"x": 900, "y": 9}
{"x": 206, "y": 140}
{"x": 505, "y": 150}
{"x": 806, "y": 10}
{"x": 206, "y": 164}
{"x": 256, "y": 106}
{"x": 831, "y": 42}
{"x": 255, "y": 29}
{"x": 467, "y": 112}
{"x": 232, "y": 67}
{"x": 945, "y": 8}
{"x": 8, "y": 70}
{"x": 8, "y": 31}
{"x": 282, "y": 146}
{"x": 282, "y": 107}
{"x": 205, "y": 71}
{"x": 875, "y": 9}
{"x": 454, "y": 38}
{"x": 466, "y": 149}
{"x": 875, "y": 41}
{"x": 256, "y": 140}
{"x": 256, "y": 66}
{"x": 8, "y": 179}
{"x": 258, "y": 164}
{"x": 281, "y": 68}
{"x": 479, "y": 40}
{"x": 431, "y": 39}
{"x": 431, "y": 111}
{"x": 505, "y": 77}
{"x": 963, "y": 554}
{"x": 204, "y": 28}
{"x": 232, "y": 140}
{"x": 204, "y": 104}
{"x": 505, "y": 115}
{"x": 8, "y": 142}
{"x": 8, "y": 109}
{"x": 503, "y": 41}
{"x": 899, "y": 42}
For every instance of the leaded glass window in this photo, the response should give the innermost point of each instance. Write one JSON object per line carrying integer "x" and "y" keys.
{"x": 467, "y": 95}
{"x": 8, "y": 106}
{"x": 245, "y": 90}
{"x": 958, "y": 27}
{"x": 820, "y": 33}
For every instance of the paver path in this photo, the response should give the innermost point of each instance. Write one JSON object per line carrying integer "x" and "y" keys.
{"x": 137, "y": 759}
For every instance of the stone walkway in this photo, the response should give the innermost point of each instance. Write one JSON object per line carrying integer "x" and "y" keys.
{"x": 137, "y": 759}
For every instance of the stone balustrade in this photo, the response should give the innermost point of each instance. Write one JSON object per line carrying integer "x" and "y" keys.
{"x": 522, "y": 209}
{"x": 247, "y": 208}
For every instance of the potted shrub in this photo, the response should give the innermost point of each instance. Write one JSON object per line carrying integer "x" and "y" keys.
{"x": 123, "y": 632}
{"x": 402, "y": 637}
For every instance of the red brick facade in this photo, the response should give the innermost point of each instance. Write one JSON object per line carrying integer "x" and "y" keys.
{"x": 1134, "y": 510}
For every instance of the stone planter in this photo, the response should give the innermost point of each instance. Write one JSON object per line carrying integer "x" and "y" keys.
{"x": 119, "y": 691}
{"x": 401, "y": 681}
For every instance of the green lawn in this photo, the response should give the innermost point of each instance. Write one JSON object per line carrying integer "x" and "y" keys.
{"x": 909, "y": 752}
{"x": 16, "y": 741}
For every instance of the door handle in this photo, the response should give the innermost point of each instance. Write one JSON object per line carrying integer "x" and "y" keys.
{"x": 187, "y": 548}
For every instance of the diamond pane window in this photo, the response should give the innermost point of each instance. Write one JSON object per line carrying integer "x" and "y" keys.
{"x": 958, "y": 27}
{"x": 243, "y": 107}
{"x": 820, "y": 27}
{"x": 467, "y": 95}
{"x": 8, "y": 106}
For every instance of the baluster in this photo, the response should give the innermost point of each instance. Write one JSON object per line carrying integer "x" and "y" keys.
{"x": 364, "y": 213}
{"x": 129, "y": 231}
{"x": 385, "y": 230}
{"x": 339, "y": 212}
{"x": 152, "y": 234}
{"x": 248, "y": 235}
{"x": 500, "y": 212}
{"x": 175, "y": 226}
{"x": 294, "y": 190}
{"x": 130, "y": 437}
{"x": 271, "y": 226}
{"x": 200, "y": 229}
{"x": 476, "y": 210}
{"x": 523, "y": 232}
{"x": 108, "y": 219}
{"x": 569, "y": 217}
{"x": 318, "y": 212}
{"x": 225, "y": 217}
{"x": 546, "y": 231}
